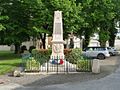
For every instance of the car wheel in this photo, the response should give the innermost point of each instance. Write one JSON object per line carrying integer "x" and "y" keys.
{"x": 101, "y": 56}
{"x": 111, "y": 54}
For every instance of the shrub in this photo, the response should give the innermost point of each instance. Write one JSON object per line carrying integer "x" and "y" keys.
{"x": 74, "y": 55}
{"x": 32, "y": 65}
{"x": 84, "y": 65}
{"x": 41, "y": 55}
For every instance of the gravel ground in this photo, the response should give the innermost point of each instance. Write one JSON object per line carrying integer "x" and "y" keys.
{"x": 108, "y": 66}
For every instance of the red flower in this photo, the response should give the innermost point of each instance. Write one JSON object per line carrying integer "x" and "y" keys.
{"x": 61, "y": 61}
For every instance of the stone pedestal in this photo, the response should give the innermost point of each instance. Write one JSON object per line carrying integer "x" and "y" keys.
{"x": 96, "y": 66}
{"x": 57, "y": 42}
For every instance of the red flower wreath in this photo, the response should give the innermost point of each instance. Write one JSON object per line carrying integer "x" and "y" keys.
{"x": 61, "y": 61}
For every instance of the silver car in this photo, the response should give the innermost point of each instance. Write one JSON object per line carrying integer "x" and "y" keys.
{"x": 96, "y": 52}
{"x": 112, "y": 51}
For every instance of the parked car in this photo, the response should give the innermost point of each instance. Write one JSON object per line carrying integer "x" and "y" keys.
{"x": 96, "y": 52}
{"x": 112, "y": 51}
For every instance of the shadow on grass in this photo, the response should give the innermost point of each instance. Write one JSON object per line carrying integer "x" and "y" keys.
{"x": 9, "y": 61}
{"x": 8, "y": 55}
{"x": 17, "y": 64}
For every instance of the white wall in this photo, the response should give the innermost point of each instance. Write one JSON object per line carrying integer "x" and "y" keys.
{"x": 117, "y": 44}
{"x": 8, "y": 48}
{"x": 28, "y": 44}
{"x": 4, "y": 48}
{"x": 94, "y": 43}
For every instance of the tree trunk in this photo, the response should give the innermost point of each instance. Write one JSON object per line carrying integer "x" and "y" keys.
{"x": 17, "y": 48}
{"x": 71, "y": 43}
{"x": 112, "y": 40}
{"x": 43, "y": 38}
{"x": 103, "y": 44}
{"x": 86, "y": 41}
{"x": 112, "y": 35}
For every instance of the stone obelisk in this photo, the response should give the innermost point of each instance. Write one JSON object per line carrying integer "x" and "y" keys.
{"x": 57, "y": 42}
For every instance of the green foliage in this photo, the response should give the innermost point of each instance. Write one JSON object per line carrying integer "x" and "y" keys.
{"x": 14, "y": 19}
{"x": 103, "y": 37}
{"x": 2, "y": 18}
{"x": 74, "y": 55}
{"x": 84, "y": 65}
{"x": 42, "y": 55}
{"x": 70, "y": 12}
{"x": 20, "y": 19}
{"x": 32, "y": 65}
{"x": 97, "y": 13}
{"x": 1, "y": 27}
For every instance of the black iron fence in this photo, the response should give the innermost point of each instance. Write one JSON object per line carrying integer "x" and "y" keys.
{"x": 30, "y": 64}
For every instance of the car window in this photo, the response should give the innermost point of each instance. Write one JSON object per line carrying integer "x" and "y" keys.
{"x": 108, "y": 48}
{"x": 95, "y": 49}
{"x": 100, "y": 49}
{"x": 104, "y": 49}
{"x": 90, "y": 49}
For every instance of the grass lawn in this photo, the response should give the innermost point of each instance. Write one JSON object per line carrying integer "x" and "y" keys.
{"x": 8, "y": 61}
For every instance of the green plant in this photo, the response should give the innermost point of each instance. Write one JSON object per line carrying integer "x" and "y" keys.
{"x": 32, "y": 65}
{"x": 84, "y": 65}
{"x": 41, "y": 55}
{"x": 74, "y": 55}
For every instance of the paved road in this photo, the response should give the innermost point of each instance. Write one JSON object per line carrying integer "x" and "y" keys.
{"x": 111, "y": 82}
{"x": 79, "y": 81}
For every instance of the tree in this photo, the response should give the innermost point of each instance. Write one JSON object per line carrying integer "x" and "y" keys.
{"x": 112, "y": 33}
{"x": 2, "y": 17}
{"x": 71, "y": 17}
{"x": 35, "y": 18}
{"x": 89, "y": 26}
{"x": 97, "y": 14}
{"x": 107, "y": 21}
{"x": 113, "y": 22}
{"x": 16, "y": 26}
